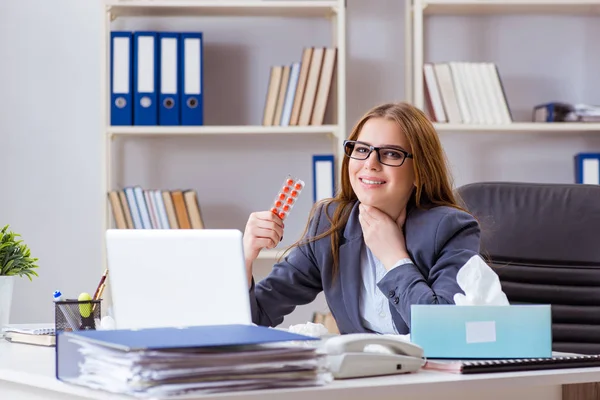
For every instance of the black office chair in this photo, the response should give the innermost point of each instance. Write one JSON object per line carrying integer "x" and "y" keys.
{"x": 543, "y": 240}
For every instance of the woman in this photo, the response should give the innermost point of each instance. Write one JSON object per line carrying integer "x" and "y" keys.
{"x": 393, "y": 236}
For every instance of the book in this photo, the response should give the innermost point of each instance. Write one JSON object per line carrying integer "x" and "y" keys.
{"x": 29, "y": 338}
{"x": 557, "y": 361}
{"x": 39, "y": 334}
{"x": 32, "y": 329}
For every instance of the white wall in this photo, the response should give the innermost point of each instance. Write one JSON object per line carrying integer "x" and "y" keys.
{"x": 50, "y": 119}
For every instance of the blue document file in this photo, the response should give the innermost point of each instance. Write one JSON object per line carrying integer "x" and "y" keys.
{"x": 190, "y": 337}
{"x": 169, "y": 98}
{"x": 145, "y": 78}
{"x": 587, "y": 168}
{"x": 121, "y": 104}
{"x": 323, "y": 177}
{"x": 192, "y": 66}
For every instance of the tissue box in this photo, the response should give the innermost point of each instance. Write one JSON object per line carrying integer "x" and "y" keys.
{"x": 460, "y": 332}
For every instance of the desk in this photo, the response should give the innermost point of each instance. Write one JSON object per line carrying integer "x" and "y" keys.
{"x": 27, "y": 373}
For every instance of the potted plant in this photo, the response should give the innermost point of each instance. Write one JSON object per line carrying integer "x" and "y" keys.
{"x": 15, "y": 261}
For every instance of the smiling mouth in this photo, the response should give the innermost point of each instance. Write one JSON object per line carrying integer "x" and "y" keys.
{"x": 370, "y": 182}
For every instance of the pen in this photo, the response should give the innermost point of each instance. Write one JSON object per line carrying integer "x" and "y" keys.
{"x": 99, "y": 295}
{"x": 100, "y": 287}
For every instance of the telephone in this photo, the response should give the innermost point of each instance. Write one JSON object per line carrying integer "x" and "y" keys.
{"x": 348, "y": 357}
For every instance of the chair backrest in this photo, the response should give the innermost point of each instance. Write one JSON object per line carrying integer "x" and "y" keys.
{"x": 543, "y": 240}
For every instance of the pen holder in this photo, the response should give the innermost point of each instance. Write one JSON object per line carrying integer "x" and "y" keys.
{"x": 75, "y": 315}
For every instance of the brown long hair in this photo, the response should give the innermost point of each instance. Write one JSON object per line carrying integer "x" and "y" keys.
{"x": 432, "y": 179}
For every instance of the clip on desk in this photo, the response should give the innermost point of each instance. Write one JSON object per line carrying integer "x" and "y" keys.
{"x": 28, "y": 373}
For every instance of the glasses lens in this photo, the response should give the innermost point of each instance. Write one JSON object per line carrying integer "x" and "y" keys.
{"x": 391, "y": 156}
{"x": 356, "y": 150}
{"x": 349, "y": 148}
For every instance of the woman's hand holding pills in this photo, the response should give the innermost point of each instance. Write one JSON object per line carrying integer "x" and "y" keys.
{"x": 263, "y": 230}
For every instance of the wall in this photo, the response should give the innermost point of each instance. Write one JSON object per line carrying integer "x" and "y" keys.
{"x": 51, "y": 138}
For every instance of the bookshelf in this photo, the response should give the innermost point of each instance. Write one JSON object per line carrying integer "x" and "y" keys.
{"x": 328, "y": 130}
{"x": 330, "y": 10}
{"x": 418, "y": 10}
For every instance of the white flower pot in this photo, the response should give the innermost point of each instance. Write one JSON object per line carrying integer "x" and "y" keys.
{"x": 6, "y": 291}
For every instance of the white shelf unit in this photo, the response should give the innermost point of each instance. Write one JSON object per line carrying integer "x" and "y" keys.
{"x": 332, "y": 10}
{"x": 416, "y": 12}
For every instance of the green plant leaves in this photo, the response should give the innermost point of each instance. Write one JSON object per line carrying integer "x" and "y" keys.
{"x": 15, "y": 256}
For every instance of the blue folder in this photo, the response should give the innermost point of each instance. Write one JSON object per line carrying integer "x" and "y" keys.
{"x": 587, "y": 168}
{"x": 323, "y": 176}
{"x": 190, "y": 337}
{"x": 121, "y": 83}
{"x": 192, "y": 78}
{"x": 145, "y": 78}
{"x": 169, "y": 97}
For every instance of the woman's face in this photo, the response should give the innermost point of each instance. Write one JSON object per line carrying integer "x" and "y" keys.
{"x": 382, "y": 186}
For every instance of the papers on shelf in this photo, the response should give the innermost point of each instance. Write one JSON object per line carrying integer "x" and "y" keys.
{"x": 179, "y": 372}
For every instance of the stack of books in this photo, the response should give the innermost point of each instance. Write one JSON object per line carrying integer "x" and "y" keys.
{"x": 173, "y": 362}
{"x": 135, "y": 207}
{"x": 466, "y": 93}
{"x": 298, "y": 94}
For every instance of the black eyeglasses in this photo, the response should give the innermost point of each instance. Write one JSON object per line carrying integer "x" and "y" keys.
{"x": 390, "y": 156}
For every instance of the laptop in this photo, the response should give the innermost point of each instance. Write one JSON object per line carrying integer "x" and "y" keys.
{"x": 177, "y": 277}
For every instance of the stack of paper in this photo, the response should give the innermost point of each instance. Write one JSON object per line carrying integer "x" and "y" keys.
{"x": 173, "y": 370}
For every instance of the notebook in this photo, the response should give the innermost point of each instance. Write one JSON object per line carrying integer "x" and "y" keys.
{"x": 27, "y": 338}
{"x": 32, "y": 329}
{"x": 557, "y": 361}
{"x": 39, "y": 334}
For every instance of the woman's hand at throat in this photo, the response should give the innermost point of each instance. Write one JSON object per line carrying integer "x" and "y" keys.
{"x": 383, "y": 235}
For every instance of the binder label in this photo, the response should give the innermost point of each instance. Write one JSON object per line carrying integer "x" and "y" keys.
{"x": 192, "y": 66}
{"x": 146, "y": 64}
{"x": 168, "y": 65}
{"x": 121, "y": 65}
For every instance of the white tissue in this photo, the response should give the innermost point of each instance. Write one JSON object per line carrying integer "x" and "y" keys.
{"x": 309, "y": 329}
{"x": 107, "y": 323}
{"x": 480, "y": 284}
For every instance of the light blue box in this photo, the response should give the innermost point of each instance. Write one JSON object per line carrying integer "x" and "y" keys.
{"x": 460, "y": 332}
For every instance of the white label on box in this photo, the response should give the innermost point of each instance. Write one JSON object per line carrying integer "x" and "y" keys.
{"x": 481, "y": 331}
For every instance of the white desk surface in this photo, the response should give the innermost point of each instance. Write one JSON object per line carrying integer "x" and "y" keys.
{"x": 29, "y": 372}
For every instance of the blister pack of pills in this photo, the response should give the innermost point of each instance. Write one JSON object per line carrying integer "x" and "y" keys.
{"x": 287, "y": 196}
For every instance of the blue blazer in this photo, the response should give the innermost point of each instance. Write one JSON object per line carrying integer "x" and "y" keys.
{"x": 439, "y": 241}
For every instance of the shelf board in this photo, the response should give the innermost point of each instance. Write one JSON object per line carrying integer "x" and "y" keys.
{"x": 511, "y": 6}
{"x": 221, "y": 130}
{"x": 521, "y": 127}
{"x": 225, "y": 8}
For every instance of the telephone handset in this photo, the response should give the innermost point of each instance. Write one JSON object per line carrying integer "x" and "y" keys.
{"x": 348, "y": 358}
